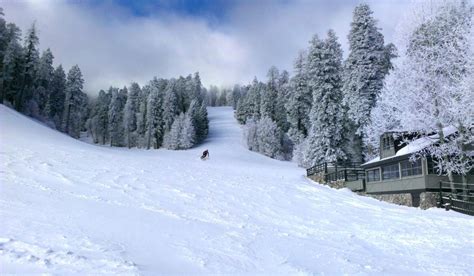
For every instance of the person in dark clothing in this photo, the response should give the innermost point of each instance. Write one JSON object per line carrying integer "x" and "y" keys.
{"x": 205, "y": 154}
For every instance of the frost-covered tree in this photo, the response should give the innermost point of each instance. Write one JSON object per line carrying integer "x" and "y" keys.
{"x": 155, "y": 124}
{"x": 44, "y": 79}
{"x": 73, "y": 103}
{"x": 12, "y": 67}
{"x": 172, "y": 137}
{"x": 249, "y": 106}
{"x": 115, "y": 118}
{"x": 300, "y": 98}
{"x": 98, "y": 123}
{"x": 25, "y": 101}
{"x": 269, "y": 138}
{"x": 270, "y": 94}
{"x": 170, "y": 105}
{"x": 3, "y": 38}
{"x": 250, "y": 134}
{"x": 130, "y": 115}
{"x": 434, "y": 77}
{"x": 56, "y": 96}
{"x": 282, "y": 97}
{"x": 364, "y": 71}
{"x": 325, "y": 139}
{"x": 187, "y": 137}
{"x": 236, "y": 95}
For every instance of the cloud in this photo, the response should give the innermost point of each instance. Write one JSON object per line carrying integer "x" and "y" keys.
{"x": 113, "y": 46}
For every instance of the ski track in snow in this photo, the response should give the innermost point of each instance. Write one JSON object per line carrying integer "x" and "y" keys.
{"x": 70, "y": 207}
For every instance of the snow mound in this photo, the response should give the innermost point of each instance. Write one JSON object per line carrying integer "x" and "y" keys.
{"x": 70, "y": 207}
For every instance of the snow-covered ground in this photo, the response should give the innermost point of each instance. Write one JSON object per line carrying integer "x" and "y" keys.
{"x": 71, "y": 207}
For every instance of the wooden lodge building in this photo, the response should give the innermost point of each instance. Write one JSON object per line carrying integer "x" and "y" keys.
{"x": 393, "y": 171}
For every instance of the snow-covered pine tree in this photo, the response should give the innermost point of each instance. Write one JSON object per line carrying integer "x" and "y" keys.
{"x": 300, "y": 98}
{"x": 172, "y": 137}
{"x": 187, "y": 137}
{"x": 154, "y": 118}
{"x": 194, "y": 114}
{"x": 73, "y": 103}
{"x": 25, "y": 101}
{"x": 3, "y": 42}
{"x": 115, "y": 118}
{"x": 269, "y": 137}
{"x": 98, "y": 122}
{"x": 270, "y": 94}
{"x": 282, "y": 94}
{"x": 222, "y": 98}
{"x": 13, "y": 67}
{"x": 56, "y": 96}
{"x": 236, "y": 95}
{"x": 141, "y": 118}
{"x": 325, "y": 139}
{"x": 364, "y": 71}
{"x": 130, "y": 115}
{"x": 202, "y": 127}
{"x": 170, "y": 105}
{"x": 253, "y": 99}
{"x": 199, "y": 94}
{"x": 44, "y": 80}
{"x": 250, "y": 134}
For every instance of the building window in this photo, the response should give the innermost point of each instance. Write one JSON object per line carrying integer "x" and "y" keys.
{"x": 373, "y": 175}
{"x": 387, "y": 143}
{"x": 390, "y": 172}
{"x": 411, "y": 168}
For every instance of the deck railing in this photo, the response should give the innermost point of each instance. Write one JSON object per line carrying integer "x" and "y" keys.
{"x": 457, "y": 197}
{"x": 334, "y": 171}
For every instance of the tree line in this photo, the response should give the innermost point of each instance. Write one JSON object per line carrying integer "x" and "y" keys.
{"x": 165, "y": 112}
{"x": 335, "y": 110}
{"x": 430, "y": 92}
{"x": 30, "y": 84}
{"x": 318, "y": 114}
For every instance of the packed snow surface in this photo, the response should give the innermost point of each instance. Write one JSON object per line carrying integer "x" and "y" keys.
{"x": 70, "y": 207}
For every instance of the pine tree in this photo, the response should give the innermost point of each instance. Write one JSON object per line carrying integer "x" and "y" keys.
{"x": 364, "y": 71}
{"x": 236, "y": 95}
{"x": 141, "y": 118}
{"x": 44, "y": 81}
{"x": 250, "y": 134}
{"x": 270, "y": 94}
{"x": 99, "y": 123}
{"x": 327, "y": 115}
{"x": 170, "y": 105}
{"x": 299, "y": 99}
{"x": 172, "y": 137}
{"x": 13, "y": 69}
{"x": 73, "y": 104}
{"x": 130, "y": 115}
{"x": 56, "y": 97}
{"x": 25, "y": 101}
{"x": 115, "y": 117}
{"x": 282, "y": 97}
{"x": 187, "y": 137}
{"x": 154, "y": 118}
{"x": 269, "y": 137}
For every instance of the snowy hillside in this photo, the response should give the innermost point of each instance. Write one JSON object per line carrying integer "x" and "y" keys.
{"x": 67, "y": 206}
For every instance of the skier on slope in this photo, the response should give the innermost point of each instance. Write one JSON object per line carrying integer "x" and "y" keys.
{"x": 205, "y": 155}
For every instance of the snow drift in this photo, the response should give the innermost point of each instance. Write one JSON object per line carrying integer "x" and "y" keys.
{"x": 71, "y": 207}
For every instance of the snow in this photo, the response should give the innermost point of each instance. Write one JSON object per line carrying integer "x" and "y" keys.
{"x": 423, "y": 142}
{"x": 70, "y": 207}
{"x": 417, "y": 145}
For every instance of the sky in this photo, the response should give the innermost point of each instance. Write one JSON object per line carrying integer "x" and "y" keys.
{"x": 115, "y": 42}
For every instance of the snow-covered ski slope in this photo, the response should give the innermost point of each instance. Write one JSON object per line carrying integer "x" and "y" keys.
{"x": 71, "y": 207}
